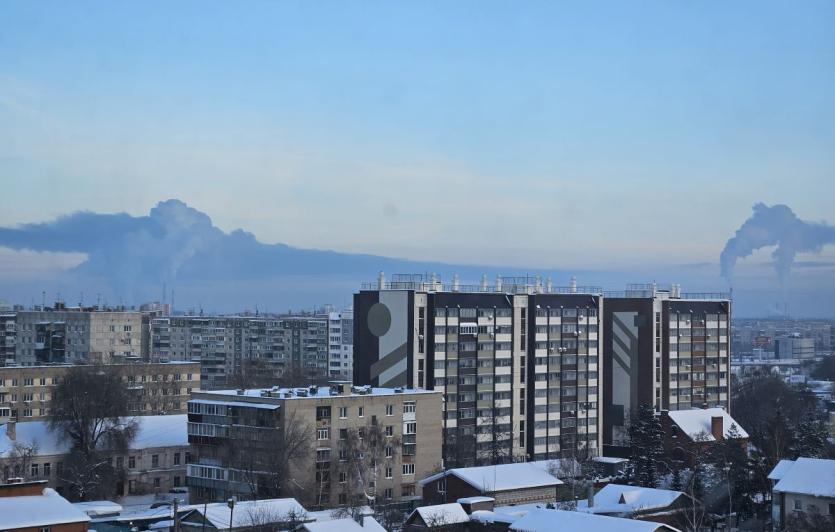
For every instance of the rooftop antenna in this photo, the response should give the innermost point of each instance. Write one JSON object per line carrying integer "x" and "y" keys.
{"x": 43, "y": 300}
{"x": 163, "y": 291}
{"x": 81, "y": 299}
{"x": 172, "y": 302}
{"x": 98, "y": 300}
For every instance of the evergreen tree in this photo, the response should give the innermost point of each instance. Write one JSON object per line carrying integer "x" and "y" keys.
{"x": 810, "y": 437}
{"x": 646, "y": 439}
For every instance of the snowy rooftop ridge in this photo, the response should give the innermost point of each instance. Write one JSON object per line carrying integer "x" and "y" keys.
{"x": 442, "y": 514}
{"x": 697, "y": 422}
{"x": 35, "y": 511}
{"x": 809, "y": 476}
{"x": 617, "y": 498}
{"x": 251, "y": 513}
{"x": 154, "y": 431}
{"x": 345, "y": 524}
{"x": 501, "y": 477}
{"x": 543, "y": 520}
{"x": 311, "y": 392}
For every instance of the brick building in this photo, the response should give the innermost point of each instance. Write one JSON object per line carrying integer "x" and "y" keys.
{"x": 32, "y": 507}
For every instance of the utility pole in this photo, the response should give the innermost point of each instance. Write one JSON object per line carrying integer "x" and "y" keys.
{"x": 176, "y": 522}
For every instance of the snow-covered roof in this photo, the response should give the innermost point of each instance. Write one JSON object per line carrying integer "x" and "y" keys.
{"x": 346, "y": 524}
{"x": 809, "y": 476}
{"x": 780, "y": 469}
{"x": 697, "y": 422}
{"x": 321, "y": 391}
{"x": 97, "y": 508}
{"x": 488, "y": 517}
{"x": 442, "y": 514}
{"x": 609, "y": 459}
{"x": 251, "y": 513}
{"x": 541, "y": 520}
{"x": 619, "y": 498}
{"x": 266, "y": 406}
{"x": 154, "y": 431}
{"x": 32, "y": 511}
{"x": 475, "y": 500}
{"x": 501, "y": 477}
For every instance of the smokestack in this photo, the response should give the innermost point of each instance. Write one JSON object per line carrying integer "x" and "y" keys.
{"x": 716, "y": 427}
{"x": 591, "y": 496}
{"x": 11, "y": 429}
{"x": 549, "y": 285}
{"x": 777, "y": 226}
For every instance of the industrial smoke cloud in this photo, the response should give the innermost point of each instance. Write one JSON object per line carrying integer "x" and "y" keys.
{"x": 777, "y": 226}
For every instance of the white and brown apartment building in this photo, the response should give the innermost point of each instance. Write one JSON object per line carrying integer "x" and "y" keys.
{"x": 359, "y": 440}
{"x": 26, "y": 391}
{"x": 664, "y": 348}
{"x": 517, "y": 362}
{"x": 155, "y": 461}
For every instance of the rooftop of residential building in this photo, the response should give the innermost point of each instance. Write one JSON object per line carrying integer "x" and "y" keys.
{"x": 501, "y": 477}
{"x": 807, "y": 476}
{"x": 43, "y": 510}
{"x": 337, "y": 389}
{"x": 619, "y": 498}
{"x": 697, "y": 423}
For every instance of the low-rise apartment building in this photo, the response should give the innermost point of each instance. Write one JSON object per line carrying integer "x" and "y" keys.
{"x": 355, "y": 438}
{"x": 155, "y": 460}
{"x": 26, "y": 391}
{"x": 803, "y": 493}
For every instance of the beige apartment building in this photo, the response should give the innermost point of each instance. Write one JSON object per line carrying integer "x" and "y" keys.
{"x": 73, "y": 335}
{"x": 26, "y": 391}
{"x": 361, "y": 442}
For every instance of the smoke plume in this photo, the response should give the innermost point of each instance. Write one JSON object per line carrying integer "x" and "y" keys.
{"x": 777, "y": 226}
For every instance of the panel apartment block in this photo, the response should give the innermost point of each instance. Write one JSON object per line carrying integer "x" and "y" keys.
{"x": 517, "y": 361}
{"x": 663, "y": 348}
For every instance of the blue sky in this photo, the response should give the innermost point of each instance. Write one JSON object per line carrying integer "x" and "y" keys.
{"x": 545, "y": 134}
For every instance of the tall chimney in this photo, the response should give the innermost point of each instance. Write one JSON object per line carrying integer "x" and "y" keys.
{"x": 549, "y": 285}
{"x": 455, "y": 282}
{"x": 716, "y": 428}
{"x": 572, "y": 285}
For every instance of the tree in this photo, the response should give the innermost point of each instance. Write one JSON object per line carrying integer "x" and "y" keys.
{"x": 825, "y": 369}
{"x": 90, "y": 409}
{"x": 21, "y": 457}
{"x": 498, "y": 449}
{"x": 646, "y": 439}
{"x": 730, "y": 461}
{"x": 364, "y": 455}
{"x": 264, "y": 455}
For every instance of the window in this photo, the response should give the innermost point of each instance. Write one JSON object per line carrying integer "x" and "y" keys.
{"x": 154, "y": 460}
{"x": 47, "y": 469}
{"x": 343, "y": 498}
{"x": 176, "y": 481}
{"x": 831, "y": 508}
{"x": 410, "y": 428}
{"x": 343, "y": 434}
{"x": 798, "y": 504}
{"x": 43, "y": 381}
{"x": 343, "y": 412}
{"x": 408, "y": 407}
{"x": 408, "y": 490}
{"x": 131, "y": 462}
{"x": 343, "y": 477}
{"x": 389, "y": 451}
{"x": 360, "y": 411}
{"x": 28, "y": 381}
{"x": 389, "y": 471}
{"x": 389, "y": 431}
{"x": 408, "y": 469}
{"x": 45, "y": 529}
{"x": 156, "y": 482}
{"x": 389, "y": 410}
{"x": 323, "y": 413}
{"x": 176, "y": 462}
{"x": 388, "y": 493}
{"x": 322, "y": 434}
{"x": 35, "y": 469}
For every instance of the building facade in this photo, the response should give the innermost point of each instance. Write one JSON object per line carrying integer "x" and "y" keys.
{"x": 230, "y": 347}
{"x": 794, "y": 347}
{"x": 358, "y": 440}
{"x": 76, "y": 335}
{"x": 8, "y": 338}
{"x": 26, "y": 391}
{"x": 517, "y": 362}
{"x": 341, "y": 344}
{"x": 663, "y": 348}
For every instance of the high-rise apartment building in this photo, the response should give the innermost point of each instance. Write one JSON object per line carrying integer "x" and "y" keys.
{"x": 517, "y": 361}
{"x": 8, "y": 337}
{"x": 70, "y": 335}
{"x": 228, "y": 347}
{"x": 327, "y": 446}
{"x": 341, "y": 344}
{"x": 663, "y": 348}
